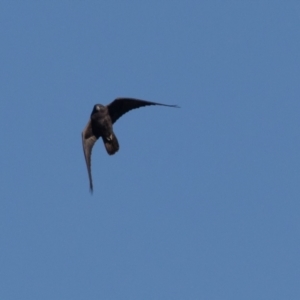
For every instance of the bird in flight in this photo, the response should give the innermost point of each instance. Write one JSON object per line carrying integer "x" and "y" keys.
{"x": 101, "y": 125}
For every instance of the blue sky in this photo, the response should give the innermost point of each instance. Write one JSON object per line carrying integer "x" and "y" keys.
{"x": 201, "y": 202}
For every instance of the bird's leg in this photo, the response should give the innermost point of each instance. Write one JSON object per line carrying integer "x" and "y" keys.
{"x": 110, "y": 137}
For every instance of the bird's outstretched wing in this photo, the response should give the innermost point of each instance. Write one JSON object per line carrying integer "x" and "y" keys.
{"x": 121, "y": 106}
{"x": 88, "y": 141}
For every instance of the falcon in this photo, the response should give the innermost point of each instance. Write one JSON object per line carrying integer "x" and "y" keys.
{"x": 101, "y": 123}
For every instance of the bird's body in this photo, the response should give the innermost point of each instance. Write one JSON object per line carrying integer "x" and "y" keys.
{"x": 101, "y": 125}
{"x": 101, "y": 121}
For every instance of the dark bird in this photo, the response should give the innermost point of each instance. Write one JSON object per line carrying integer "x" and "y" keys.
{"x": 101, "y": 125}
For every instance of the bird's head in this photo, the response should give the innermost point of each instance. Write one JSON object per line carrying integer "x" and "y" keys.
{"x": 98, "y": 108}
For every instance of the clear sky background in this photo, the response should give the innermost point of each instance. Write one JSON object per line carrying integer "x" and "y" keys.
{"x": 201, "y": 202}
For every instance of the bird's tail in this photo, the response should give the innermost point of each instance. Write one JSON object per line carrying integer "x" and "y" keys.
{"x": 111, "y": 144}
